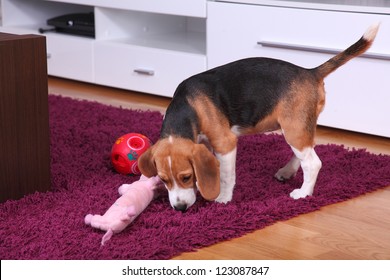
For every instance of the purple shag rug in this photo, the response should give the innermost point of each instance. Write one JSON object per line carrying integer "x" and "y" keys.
{"x": 51, "y": 225}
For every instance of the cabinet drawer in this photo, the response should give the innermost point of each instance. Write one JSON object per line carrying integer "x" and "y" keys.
{"x": 235, "y": 30}
{"x": 70, "y": 57}
{"x": 144, "y": 69}
{"x": 357, "y": 93}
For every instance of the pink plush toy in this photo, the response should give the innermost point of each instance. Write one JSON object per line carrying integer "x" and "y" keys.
{"x": 134, "y": 199}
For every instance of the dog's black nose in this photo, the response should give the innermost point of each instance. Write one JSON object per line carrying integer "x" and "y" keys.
{"x": 180, "y": 207}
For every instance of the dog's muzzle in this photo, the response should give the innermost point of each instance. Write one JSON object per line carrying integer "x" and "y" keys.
{"x": 182, "y": 199}
{"x": 180, "y": 207}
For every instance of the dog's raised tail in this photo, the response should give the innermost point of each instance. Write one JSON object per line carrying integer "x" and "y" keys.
{"x": 361, "y": 46}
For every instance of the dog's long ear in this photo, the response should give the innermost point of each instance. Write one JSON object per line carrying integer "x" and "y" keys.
{"x": 146, "y": 163}
{"x": 206, "y": 168}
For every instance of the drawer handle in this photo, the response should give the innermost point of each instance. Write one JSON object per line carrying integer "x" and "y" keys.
{"x": 48, "y": 55}
{"x": 296, "y": 47}
{"x": 144, "y": 72}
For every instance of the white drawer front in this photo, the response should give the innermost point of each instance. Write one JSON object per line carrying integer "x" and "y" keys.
{"x": 234, "y": 31}
{"x": 70, "y": 57}
{"x": 144, "y": 69}
{"x": 358, "y": 93}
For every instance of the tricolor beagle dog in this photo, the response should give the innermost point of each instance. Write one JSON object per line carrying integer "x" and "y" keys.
{"x": 198, "y": 143}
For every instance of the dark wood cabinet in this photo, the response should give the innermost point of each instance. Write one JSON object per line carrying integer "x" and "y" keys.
{"x": 24, "y": 116}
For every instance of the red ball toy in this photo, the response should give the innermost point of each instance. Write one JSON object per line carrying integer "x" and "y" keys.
{"x": 126, "y": 151}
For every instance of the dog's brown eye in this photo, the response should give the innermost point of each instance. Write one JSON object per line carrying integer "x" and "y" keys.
{"x": 186, "y": 178}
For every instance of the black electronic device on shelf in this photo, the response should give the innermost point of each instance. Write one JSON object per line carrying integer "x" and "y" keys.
{"x": 82, "y": 24}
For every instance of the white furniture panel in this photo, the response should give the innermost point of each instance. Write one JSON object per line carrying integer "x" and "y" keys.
{"x": 144, "y": 69}
{"x": 360, "y": 6}
{"x": 192, "y": 8}
{"x": 227, "y": 40}
{"x": 358, "y": 93}
{"x": 70, "y": 57}
{"x": 358, "y": 97}
{"x": 1, "y": 16}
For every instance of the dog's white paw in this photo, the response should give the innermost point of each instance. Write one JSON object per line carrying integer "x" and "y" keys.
{"x": 299, "y": 193}
{"x": 224, "y": 197}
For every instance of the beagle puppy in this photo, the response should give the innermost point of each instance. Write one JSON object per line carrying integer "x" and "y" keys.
{"x": 198, "y": 143}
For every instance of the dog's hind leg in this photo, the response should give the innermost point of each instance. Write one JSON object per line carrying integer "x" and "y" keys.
{"x": 300, "y": 136}
{"x": 311, "y": 165}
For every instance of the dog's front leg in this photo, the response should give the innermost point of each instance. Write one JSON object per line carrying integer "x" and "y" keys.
{"x": 227, "y": 169}
{"x": 311, "y": 165}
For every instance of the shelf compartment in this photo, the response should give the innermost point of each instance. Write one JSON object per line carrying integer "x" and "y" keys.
{"x": 30, "y": 15}
{"x": 175, "y": 33}
{"x": 192, "y": 8}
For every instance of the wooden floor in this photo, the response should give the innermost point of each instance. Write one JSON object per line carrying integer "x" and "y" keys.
{"x": 355, "y": 229}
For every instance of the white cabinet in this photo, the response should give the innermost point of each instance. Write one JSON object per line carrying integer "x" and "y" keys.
{"x": 143, "y": 45}
{"x": 358, "y": 93}
{"x": 152, "y": 45}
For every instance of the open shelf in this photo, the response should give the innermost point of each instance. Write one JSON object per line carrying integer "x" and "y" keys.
{"x": 192, "y": 43}
{"x": 168, "y": 32}
{"x": 30, "y": 15}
